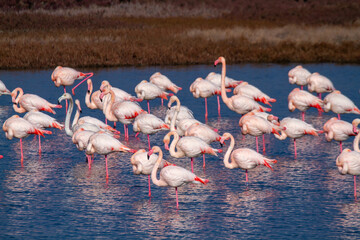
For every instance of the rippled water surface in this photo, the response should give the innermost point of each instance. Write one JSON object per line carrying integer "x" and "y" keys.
{"x": 55, "y": 195}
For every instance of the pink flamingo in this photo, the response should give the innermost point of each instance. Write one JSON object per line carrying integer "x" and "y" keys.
{"x": 340, "y": 130}
{"x": 205, "y": 89}
{"x": 298, "y": 76}
{"x": 148, "y": 124}
{"x": 147, "y": 91}
{"x": 124, "y": 112}
{"x": 348, "y": 162}
{"x": 81, "y": 139}
{"x": 339, "y": 103}
{"x": 92, "y": 99}
{"x": 256, "y": 126}
{"x": 28, "y": 102}
{"x": 41, "y": 120}
{"x": 250, "y": 91}
{"x": 295, "y": 128}
{"x": 65, "y": 76}
{"x": 18, "y": 127}
{"x": 182, "y": 112}
{"x": 188, "y": 146}
{"x": 319, "y": 84}
{"x": 104, "y": 144}
{"x": 236, "y": 103}
{"x": 303, "y": 100}
{"x": 243, "y": 158}
{"x": 215, "y": 78}
{"x": 3, "y": 89}
{"x": 164, "y": 83}
{"x": 173, "y": 176}
{"x": 143, "y": 164}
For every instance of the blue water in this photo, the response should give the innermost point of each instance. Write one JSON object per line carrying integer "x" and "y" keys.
{"x": 55, "y": 195}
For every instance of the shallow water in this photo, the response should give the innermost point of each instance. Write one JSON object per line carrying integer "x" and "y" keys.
{"x": 56, "y": 196}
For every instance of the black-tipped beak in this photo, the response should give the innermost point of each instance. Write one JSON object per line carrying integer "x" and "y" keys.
{"x": 14, "y": 103}
{"x": 221, "y": 145}
{"x": 58, "y": 102}
{"x": 88, "y": 91}
{"x": 80, "y": 111}
{"x": 214, "y": 65}
{"x": 148, "y": 156}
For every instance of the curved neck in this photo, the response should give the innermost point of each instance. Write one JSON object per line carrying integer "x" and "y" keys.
{"x": 172, "y": 149}
{"x": 282, "y": 136}
{"x": 223, "y": 75}
{"x": 21, "y": 93}
{"x": 228, "y": 152}
{"x": 108, "y": 105}
{"x": 356, "y": 143}
{"x": 173, "y": 119}
{"x": 18, "y": 109}
{"x": 88, "y": 101}
{"x": 68, "y": 131}
{"x": 158, "y": 182}
{"x": 76, "y": 117}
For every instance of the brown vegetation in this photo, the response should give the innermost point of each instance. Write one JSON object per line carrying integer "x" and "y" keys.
{"x": 161, "y": 33}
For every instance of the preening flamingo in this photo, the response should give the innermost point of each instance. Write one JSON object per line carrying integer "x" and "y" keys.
{"x": 149, "y": 124}
{"x": 339, "y": 103}
{"x": 295, "y": 128}
{"x": 298, "y": 76}
{"x": 182, "y": 111}
{"x": 250, "y": 91}
{"x": 202, "y": 88}
{"x": 3, "y": 89}
{"x": 28, "y": 102}
{"x": 18, "y": 127}
{"x": 236, "y": 103}
{"x": 188, "y": 147}
{"x": 243, "y": 158}
{"x": 173, "y": 176}
{"x": 147, "y": 91}
{"x": 124, "y": 112}
{"x": 204, "y": 132}
{"x": 340, "y": 130}
{"x": 215, "y": 78}
{"x": 256, "y": 126}
{"x": 303, "y": 100}
{"x": 319, "y": 84}
{"x": 143, "y": 164}
{"x": 348, "y": 162}
{"x": 41, "y": 121}
{"x": 164, "y": 83}
{"x": 104, "y": 144}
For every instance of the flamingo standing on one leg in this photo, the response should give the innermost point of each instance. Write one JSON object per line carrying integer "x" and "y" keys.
{"x": 298, "y": 76}
{"x": 339, "y": 103}
{"x": 243, "y": 158}
{"x": 188, "y": 146}
{"x": 319, "y": 84}
{"x": 303, "y": 100}
{"x": 236, "y": 103}
{"x": 147, "y": 91}
{"x": 164, "y": 83}
{"x": 143, "y": 164}
{"x": 173, "y": 176}
{"x": 28, "y": 102}
{"x": 18, "y": 127}
{"x": 250, "y": 91}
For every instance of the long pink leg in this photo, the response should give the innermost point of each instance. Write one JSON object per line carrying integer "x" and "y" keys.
{"x": 218, "y": 100}
{"x": 89, "y": 76}
{"x": 203, "y": 160}
{"x": 89, "y": 161}
{"x": 339, "y": 116}
{"x": 319, "y": 96}
{"x": 355, "y": 187}
{"x": 303, "y": 116}
{"x": 162, "y": 102}
{"x": 21, "y": 149}
{"x": 66, "y": 101}
{"x": 106, "y": 164}
{"x": 115, "y": 125}
{"x": 148, "y": 103}
{"x": 263, "y": 137}
{"x": 246, "y": 174}
{"x": 149, "y": 141}
{"x": 177, "y": 201}
{"x": 192, "y": 164}
{"x": 206, "y": 110}
{"x": 302, "y": 87}
{"x": 340, "y": 146}
{"x": 125, "y": 131}
{"x": 295, "y": 147}
{"x": 257, "y": 144}
{"x": 149, "y": 186}
{"x": 39, "y": 145}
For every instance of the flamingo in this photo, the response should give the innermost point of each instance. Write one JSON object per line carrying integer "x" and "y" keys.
{"x": 205, "y": 89}
{"x": 250, "y": 91}
{"x": 348, "y": 162}
{"x": 295, "y": 128}
{"x": 303, "y": 100}
{"x": 319, "y": 84}
{"x": 256, "y": 126}
{"x": 92, "y": 99}
{"x": 236, "y": 103}
{"x": 81, "y": 139}
{"x": 173, "y": 176}
{"x": 182, "y": 111}
{"x": 41, "y": 120}
{"x": 164, "y": 83}
{"x": 124, "y": 112}
{"x": 149, "y": 124}
{"x": 3, "y": 89}
{"x": 188, "y": 146}
{"x": 28, "y": 102}
{"x": 18, "y": 127}
{"x": 298, "y": 76}
{"x": 143, "y": 164}
{"x": 339, "y": 103}
{"x": 215, "y": 78}
{"x": 243, "y": 158}
{"x": 147, "y": 91}
{"x": 340, "y": 130}
{"x": 104, "y": 144}
{"x": 65, "y": 76}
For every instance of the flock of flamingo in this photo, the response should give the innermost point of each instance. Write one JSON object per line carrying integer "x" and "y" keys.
{"x": 191, "y": 138}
